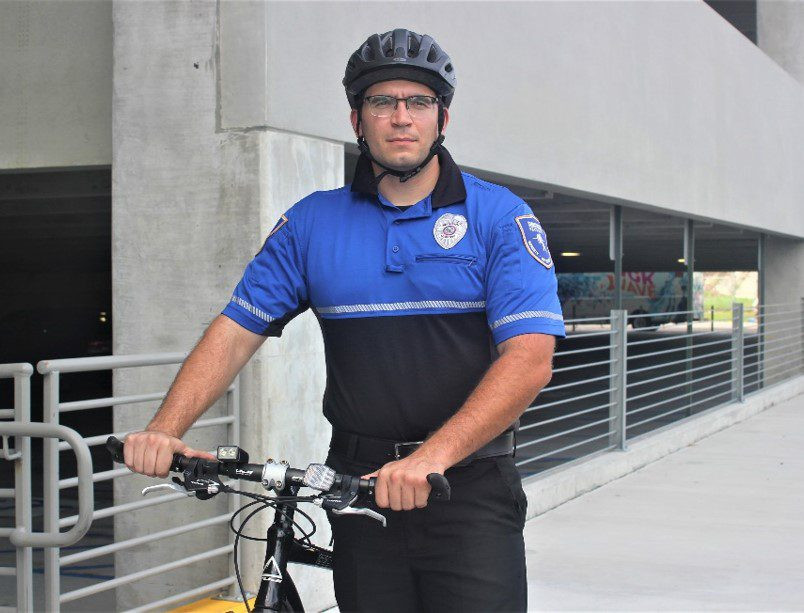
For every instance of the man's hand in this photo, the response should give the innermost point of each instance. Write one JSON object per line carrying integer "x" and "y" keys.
{"x": 402, "y": 485}
{"x": 151, "y": 452}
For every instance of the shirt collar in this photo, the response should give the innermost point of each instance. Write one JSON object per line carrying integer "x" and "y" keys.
{"x": 449, "y": 187}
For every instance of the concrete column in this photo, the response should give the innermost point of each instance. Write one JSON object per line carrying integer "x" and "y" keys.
{"x": 780, "y": 34}
{"x": 192, "y": 204}
{"x": 783, "y": 272}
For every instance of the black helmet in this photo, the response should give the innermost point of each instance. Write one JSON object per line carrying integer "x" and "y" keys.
{"x": 400, "y": 54}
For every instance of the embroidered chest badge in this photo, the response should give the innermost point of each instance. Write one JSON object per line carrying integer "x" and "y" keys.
{"x": 535, "y": 239}
{"x": 449, "y": 229}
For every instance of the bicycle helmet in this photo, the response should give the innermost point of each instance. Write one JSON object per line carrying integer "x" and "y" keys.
{"x": 399, "y": 54}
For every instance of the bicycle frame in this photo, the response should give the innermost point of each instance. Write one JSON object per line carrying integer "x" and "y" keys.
{"x": 276, "y": 585}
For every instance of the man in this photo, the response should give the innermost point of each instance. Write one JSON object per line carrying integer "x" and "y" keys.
{"x": 437, "y": 300}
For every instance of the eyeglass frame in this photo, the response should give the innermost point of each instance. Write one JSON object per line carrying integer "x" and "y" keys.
{"x": 396, "y": 100}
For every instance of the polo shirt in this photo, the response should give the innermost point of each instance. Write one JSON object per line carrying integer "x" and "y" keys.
{"x": 412, "y": 303}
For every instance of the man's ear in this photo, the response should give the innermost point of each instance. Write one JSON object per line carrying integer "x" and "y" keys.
{"x": 446, "y": 120}
{"x": 353, "y": 119}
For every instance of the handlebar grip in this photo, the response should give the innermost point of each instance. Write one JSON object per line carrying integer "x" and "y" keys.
{"x": 115, "y": 446}
{"x": 441, "y": 490}
{"x": 440, "y": 487}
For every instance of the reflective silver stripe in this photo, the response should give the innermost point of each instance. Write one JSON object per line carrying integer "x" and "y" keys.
{"x": 402, "y": 306}
{"x": 252, "y": 309}
{"x": 526, "y": 315}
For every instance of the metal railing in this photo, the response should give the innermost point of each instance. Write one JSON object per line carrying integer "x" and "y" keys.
{"x": 53, "y": 484}
{"x": 21, "y": 492}
{"x": 612, "y": 384}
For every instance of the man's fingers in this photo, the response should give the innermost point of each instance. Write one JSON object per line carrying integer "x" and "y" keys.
{"x": 195, "y": 453}
{"x": 164, "y": 458}
{"x": 421, "y": 496}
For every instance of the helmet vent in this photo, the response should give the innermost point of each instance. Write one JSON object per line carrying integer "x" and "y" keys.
{"x": 433, "y": 55}
{"x": 448, "y": 67}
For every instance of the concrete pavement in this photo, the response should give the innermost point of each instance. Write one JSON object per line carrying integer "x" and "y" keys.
{"x": 718, "y": 525}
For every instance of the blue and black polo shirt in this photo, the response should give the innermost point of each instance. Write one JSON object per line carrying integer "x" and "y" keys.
{"x": 412, "y": 302}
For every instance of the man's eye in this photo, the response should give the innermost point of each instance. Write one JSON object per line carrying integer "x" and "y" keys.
{"x": 421, "y": 103}
{"x": 381, "y": 103}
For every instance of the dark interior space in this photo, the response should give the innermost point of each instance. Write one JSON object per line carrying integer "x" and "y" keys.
{"x": 742, "y": 14}
{"x": 55, "y": 275}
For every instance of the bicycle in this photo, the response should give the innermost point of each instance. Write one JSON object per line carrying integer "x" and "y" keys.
{"x": 339, "y": 494}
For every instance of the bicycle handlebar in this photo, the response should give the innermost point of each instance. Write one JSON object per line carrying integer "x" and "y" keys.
{"x": 262, "y": 473}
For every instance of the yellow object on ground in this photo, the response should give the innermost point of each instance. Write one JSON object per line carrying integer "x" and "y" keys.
{"x": 214, "y": 605}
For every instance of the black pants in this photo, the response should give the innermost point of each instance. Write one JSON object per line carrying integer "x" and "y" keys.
{"x": 467, "y": 554}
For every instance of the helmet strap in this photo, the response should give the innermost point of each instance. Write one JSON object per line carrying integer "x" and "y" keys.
{"x": 403, "y": 175}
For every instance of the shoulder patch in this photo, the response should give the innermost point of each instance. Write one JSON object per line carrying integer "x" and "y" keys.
{"x": 535, "y": 239}
{"x": 282, "y": 221}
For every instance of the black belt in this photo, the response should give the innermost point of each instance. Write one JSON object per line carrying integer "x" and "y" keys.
{"x": 379, "y": 451}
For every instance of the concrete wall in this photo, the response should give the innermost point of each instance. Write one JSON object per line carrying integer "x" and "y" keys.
{"x": 191, "y": 206}
{"x": 784, "y": 315}
{"x": 663, "y": 104}
{"x": 56, "y": 89}
{"x": 780, "y": 34}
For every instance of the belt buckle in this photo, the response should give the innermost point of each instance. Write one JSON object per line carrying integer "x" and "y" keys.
{"x": 398, "y": 445}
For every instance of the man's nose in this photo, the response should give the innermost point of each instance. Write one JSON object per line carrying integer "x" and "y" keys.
{"x": 401, "y": 116}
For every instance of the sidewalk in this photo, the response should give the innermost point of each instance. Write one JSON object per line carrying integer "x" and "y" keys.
{"x": 718, "y": 525}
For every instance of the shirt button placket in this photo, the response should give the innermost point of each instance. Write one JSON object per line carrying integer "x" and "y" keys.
{"x": 393, "y": 257}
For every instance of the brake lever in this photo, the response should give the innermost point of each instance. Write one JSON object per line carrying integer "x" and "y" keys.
{"x": 361, "y": 511}
{"x": 165, "y": 486}
{"x": 342, "y": 506}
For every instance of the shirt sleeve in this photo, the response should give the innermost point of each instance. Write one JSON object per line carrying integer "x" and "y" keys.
{"x": 521, "y": 286}
{"x": 273, "y": 289}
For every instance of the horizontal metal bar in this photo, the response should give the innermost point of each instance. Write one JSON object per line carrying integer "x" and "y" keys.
{"x": 682, "y": 384}
{"x": 578, "y": 319}
{"x": 6, "y": 532}
{"x": 774, "y": 369}
{"x": 544, "y": 455}
{"x": 7, "y": 492}
{"x": 96, "y": 477}
{"x": 562, "y": 433}
{"x": 564, "y": 400}
{"x": 108, "y": 362}
{"x": 637, "y": 356}
{"x": 148, "y": 572}
{"x": 632, "y": 371}
{"x": 8, "y": 571}
{"x": 184, "y": 596}
{"x": 587, "y": 334}
{"x": 584, "y": 350}
{"x": 589, "y": 365}
{"x": 770, "y": 358}
{"x": 763, "y": 325}
{"x": 100, "y": 439}
{"x": 676, "y": 374}
{"x": 781, "y": 332}
{"x": 684, "y": 408}
{"x": 661, "y": 314}
{"x": 124, "y": 508}
{"x": 773, "y": 347}
{"x": 776, "y": 304}
{"x": 553, "y": 388}
{"x": 562, "y": 417}
{"x": 7, "y": 414}
{"x": 96, "y": 403}
{"x": 783, "y": 373}
{"x": 141, "y": 540}
{"x": 679, "y": 397}
{"x": 674, "y": 337}
{"x": 795, "y": 308}
{"x": 16, "y": 369}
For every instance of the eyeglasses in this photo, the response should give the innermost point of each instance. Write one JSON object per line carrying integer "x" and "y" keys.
{"x": 417, "y": 106}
